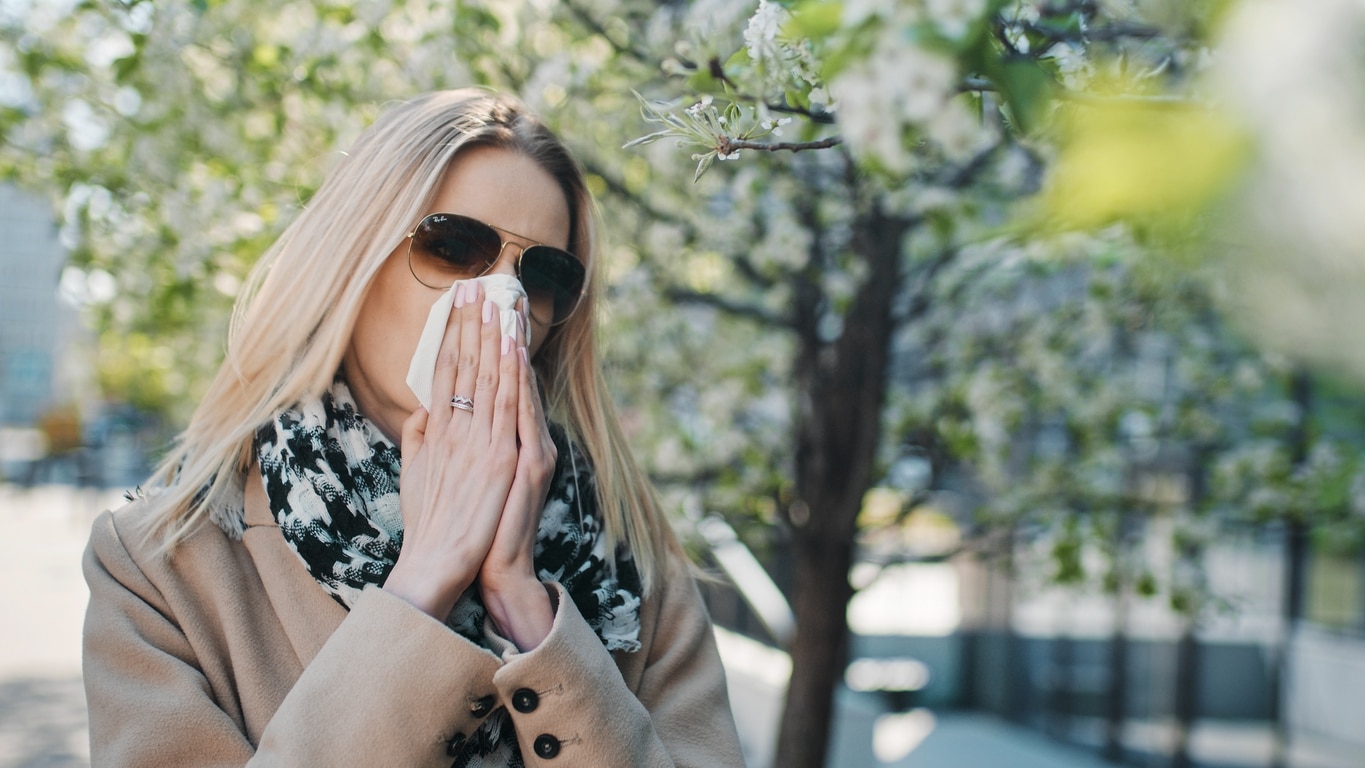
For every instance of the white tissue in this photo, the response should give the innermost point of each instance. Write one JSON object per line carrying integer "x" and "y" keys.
{"x": 504, "y": 290}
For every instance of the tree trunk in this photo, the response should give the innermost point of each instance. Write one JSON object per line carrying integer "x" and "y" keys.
{"x": 840, "y": 388}
{"x": 1295, "y": 572}
{"x": 1116, "y": 694}
{"x": 819, "y": 652}
{"x": 1186, "y": 693}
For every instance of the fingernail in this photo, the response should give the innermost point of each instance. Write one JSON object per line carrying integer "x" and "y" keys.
{"x": 487, "y": 310}
{"x": 459, "y": 295}
{"x": 506, "y": 344}
{"x": 525, "y": 355}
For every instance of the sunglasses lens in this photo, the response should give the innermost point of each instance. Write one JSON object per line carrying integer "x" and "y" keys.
{"x": 447, "y": 247}
{"x": 553, "y": 280}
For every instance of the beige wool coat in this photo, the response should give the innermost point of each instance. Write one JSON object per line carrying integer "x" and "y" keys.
{"x": 228, "y": 653}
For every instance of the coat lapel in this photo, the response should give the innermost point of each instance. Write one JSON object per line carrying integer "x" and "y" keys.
{"x": 308, "y": 614}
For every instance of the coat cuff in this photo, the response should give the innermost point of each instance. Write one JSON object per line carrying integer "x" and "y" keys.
{"x": 567, "y": 699}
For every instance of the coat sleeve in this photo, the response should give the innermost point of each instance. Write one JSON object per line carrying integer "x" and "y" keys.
{"x": 389, "y": 687}
{"x": 573, "y": 708}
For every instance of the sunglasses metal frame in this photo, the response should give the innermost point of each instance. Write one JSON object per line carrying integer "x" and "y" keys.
{"x": 503, "y": 242}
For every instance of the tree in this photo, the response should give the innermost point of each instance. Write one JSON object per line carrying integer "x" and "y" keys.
{"x": 935, "y": 102}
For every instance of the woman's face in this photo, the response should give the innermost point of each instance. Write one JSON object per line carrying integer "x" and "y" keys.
{"x": 496, "y": 186}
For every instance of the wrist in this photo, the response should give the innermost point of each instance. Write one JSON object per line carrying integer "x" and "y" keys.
{"x": 520, "y": 610}
{"x": 423, "y": 589}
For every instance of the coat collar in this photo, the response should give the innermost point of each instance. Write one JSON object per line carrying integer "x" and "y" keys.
{"x": 308, "y": 614}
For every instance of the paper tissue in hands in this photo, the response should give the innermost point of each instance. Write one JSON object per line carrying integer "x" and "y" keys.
{"x": 503, "y": 290}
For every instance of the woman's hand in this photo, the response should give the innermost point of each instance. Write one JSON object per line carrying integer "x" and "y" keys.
{"x": 516, "y": 600}
{"x": 458, "y": 465}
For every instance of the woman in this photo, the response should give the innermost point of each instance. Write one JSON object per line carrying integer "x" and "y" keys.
{"x": 288, "y": 595}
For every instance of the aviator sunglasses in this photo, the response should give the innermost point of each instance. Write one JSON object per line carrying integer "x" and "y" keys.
{"x": 447, "y": 247}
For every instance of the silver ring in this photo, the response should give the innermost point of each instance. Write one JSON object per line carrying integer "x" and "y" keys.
{"x": 462, "y": 402}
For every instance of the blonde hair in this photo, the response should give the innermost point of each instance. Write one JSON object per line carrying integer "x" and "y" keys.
{"x": 293, "y": 322}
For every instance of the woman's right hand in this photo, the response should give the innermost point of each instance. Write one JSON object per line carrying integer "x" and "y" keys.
{"x": 458, "y": 465}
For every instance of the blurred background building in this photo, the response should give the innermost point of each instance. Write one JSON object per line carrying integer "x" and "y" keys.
{"x": 32, "y": 320}
{"x": 55, "y": 425}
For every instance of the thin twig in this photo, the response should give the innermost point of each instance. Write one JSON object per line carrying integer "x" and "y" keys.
{"x": 726, "y": 145}
{"x": 982, "y": 85}
{"x": 618, "y": 187}
{"x": 1107, "y": 33}
{"x": 815, "y": 116}
{"x": 976, "y": 84}
{"x": 598, "y": 29}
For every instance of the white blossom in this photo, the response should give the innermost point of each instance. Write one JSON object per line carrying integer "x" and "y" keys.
{"x": 696, "y": 109}
{"x": 897, "y": 84}
{"x": 760, "y": 35}
{"x": 954, "y": 17}
{"x": 1072, "y": 65}
{"x": 865, "y": 110}
{"x": 927, "y": 79}
{"x": 957, "y": 131}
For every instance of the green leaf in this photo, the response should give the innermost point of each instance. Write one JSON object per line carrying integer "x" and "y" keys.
{"x": 126, "y": 67}
{"x": 740, "y": 60}
{"x": 1028, "y": 90}
{"x": 818, "y": 19}
{"x": 702, "y": 81}
{"x": 703, "y": 165}
{"x": 650, "y": 139}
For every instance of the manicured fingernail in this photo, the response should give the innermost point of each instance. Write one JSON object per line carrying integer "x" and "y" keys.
{"x": 525, "y": 355}
{"x": 506, "y": 344}
{"x": 487, "y": 310}
{"x": 459, "y": 295}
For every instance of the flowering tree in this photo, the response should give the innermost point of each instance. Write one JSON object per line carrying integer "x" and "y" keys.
{"x": 930, "y": 120}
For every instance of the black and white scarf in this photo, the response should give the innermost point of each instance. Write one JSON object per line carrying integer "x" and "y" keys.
{"x": 332, "y": 481}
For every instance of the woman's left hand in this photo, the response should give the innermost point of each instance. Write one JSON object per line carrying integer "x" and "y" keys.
{"x": 516, "y": 600}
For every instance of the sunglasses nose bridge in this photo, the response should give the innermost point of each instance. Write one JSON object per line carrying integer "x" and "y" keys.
{"x": 513, "y": 264}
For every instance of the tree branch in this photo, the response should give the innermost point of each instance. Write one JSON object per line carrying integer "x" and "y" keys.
{"x": 596, "y": 28}
{"x": 618, "y": 187}
{"x": 1107, "y": 33}
{"x": 746, "y": 268}
{"x": 976, "y": 84}
{"x": 680, "y": 295}
{"x": 982, "y": 85}
{"x": 700, "y": 476}
{"x": 923, "y": 296}
{"x": 821, "y": 117}
{"x": 964, "y": 175}
{"x": 727, "y": 145}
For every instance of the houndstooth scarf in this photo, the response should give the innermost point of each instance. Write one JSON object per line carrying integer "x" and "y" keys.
{"x": 332, "y": 480}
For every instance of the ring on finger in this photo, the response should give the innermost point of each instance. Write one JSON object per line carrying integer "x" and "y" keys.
{"x": 462, "y": 402}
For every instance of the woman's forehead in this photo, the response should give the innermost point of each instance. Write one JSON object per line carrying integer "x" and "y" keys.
{"x": 508, "y": 190}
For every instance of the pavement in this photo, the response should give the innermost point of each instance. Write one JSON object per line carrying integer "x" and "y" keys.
{"x": 42, "y": 704}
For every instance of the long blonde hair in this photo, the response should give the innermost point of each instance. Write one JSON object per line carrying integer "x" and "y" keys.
{"x": 293, "y": 322}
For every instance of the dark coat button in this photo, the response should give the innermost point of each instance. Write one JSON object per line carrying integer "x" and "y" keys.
{"x": 525, "y": 701}
{"x": 481, "y": 707}
{"x": 453, "y": 746}
{"x": 546, "y": 746}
